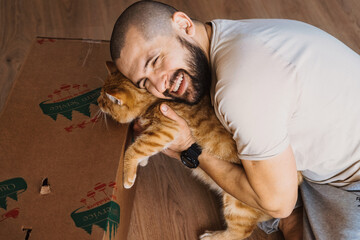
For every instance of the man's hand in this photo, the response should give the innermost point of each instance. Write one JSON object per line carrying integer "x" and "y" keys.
{"x": 183, "y": 140}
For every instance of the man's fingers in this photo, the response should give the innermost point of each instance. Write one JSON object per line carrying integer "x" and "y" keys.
{"x": 183, "y": 138}
{"x": 168, "y": 112}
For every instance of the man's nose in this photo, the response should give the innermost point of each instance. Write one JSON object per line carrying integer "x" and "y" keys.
{"x": 159, "y": 81}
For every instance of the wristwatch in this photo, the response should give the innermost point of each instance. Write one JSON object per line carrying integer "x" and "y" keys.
{"x": 190, "y": 156}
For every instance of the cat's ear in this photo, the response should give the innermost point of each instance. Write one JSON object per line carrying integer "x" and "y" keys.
{"x": 111, "y": 67}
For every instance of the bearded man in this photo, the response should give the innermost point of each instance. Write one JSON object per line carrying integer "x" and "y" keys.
{"x": 289, "y": 94}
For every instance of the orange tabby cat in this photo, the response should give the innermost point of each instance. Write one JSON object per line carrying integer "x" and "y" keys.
{"x": 125, "y": 102}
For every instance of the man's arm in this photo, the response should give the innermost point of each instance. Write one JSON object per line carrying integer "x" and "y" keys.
{"x": 269, "y": 185}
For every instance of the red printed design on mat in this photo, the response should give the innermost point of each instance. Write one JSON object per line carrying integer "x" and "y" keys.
{"x": 83, "y": 124}
{"x": 99, "y": 195}
{"x": 67, "y": 91}
{"x": 14, "y": 213}
{"x": 68, "y": 98}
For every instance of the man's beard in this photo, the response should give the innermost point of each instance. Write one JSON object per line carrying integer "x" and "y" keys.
{"x": 200, "y": 75}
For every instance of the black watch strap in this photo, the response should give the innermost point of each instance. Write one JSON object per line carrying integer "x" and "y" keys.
{"x": 190, "y": 156}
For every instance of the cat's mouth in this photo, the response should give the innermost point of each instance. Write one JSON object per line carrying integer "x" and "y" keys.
{"x": 180, "y": 84}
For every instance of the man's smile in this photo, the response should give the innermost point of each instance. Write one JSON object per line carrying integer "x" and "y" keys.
{"x": 179, "y": 83}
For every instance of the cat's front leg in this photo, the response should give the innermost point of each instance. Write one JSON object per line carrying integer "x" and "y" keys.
{"x": 132, "y": 158}
{"x": 152, "y": 141}
{"x": 144, "y": 162}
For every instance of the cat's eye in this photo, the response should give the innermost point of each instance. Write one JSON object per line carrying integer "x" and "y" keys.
{"x": 114, "y": 99}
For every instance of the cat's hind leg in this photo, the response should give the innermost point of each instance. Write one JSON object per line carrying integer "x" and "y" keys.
{"x": 241, "y": 220}
{"x": 152, "y": 141}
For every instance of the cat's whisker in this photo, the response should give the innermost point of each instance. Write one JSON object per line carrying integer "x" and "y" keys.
{"x": 103, "y": 116}
{"x": 99, "y": 113}
{"x": 106, "y": 121}
{"x": 96, "y": 117}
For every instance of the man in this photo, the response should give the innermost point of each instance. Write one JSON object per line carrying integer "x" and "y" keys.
{"x": 287, "y": 91}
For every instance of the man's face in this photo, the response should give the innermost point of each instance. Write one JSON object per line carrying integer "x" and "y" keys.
{"x": 169, "y": 67}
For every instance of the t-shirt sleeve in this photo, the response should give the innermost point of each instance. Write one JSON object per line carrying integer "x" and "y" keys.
{"x": 255, "y": 98}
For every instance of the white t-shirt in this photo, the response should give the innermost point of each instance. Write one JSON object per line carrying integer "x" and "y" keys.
{"x": 280, "y": 82}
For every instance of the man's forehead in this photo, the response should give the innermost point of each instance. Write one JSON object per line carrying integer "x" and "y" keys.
{"x": 131, "y": 55}
{"x": 136, "y": 51}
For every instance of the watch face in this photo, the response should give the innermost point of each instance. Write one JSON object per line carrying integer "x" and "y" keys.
{"x": 190, "y": 156}
{"x": 187, "y": 161}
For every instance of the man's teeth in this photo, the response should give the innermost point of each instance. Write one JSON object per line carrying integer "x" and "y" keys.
{"x": 178, "y": 83}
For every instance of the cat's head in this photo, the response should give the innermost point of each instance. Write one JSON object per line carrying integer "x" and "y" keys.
{"x": 121, "y": 99}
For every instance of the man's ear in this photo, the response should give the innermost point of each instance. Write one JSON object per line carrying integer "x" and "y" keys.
{"x": 183, "y": 23}
{"x": 111, "y": 67}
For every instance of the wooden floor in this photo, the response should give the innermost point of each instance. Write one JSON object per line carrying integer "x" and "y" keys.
{"x": 175, "y": 215}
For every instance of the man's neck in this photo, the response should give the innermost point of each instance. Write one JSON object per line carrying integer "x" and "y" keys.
{"x": 203, "y": 37}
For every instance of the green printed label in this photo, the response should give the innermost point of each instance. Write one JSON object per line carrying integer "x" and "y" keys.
{"x": 80, "y": 103}
{"x": 105, "y": 215}
{"x": 11, "y": 188}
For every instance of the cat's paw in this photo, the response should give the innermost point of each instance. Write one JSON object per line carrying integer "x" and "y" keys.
{"x": 130, "y": 169}
{"x": 129, "y": 181}
{"x": 144, "y": 162}
{"x": 222, "y": 235}
{"x": 208, "y": 235}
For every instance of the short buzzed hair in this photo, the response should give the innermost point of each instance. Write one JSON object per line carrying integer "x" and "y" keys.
{"x": 150, "y": 18}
